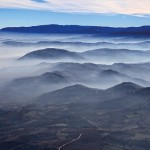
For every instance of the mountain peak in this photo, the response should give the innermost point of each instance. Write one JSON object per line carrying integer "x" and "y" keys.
{"x": 128, "y": 85}
{"x": 77, "y": 87}
{"x": 125, "y": 87}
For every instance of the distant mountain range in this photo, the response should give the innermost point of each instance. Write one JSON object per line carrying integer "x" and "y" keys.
{"x": 76, "y": 29}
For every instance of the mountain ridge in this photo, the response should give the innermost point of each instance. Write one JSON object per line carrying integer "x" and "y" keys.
{"x": 88, "y": 94}
{"x": 77, "y": 29}
{"x": 51, "y": 53}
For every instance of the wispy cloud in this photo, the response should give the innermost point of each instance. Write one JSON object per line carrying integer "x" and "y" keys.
{"x": 40, "y": 1}
{"x": 130, "y": 7}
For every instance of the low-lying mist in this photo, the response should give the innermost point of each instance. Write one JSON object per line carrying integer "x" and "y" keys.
{"x": 33, "y": 64}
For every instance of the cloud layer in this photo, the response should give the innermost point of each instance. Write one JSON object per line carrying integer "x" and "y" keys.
{"x": 130, "y": 7}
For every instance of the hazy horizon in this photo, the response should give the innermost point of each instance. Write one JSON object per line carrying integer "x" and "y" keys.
{"x": 77, "y": 25}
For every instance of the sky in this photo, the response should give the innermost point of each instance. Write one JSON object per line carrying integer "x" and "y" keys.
{"x": 114, "y": 13}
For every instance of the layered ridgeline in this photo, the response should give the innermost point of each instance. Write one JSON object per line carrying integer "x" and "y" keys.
{"x": 66, "y": 74}
{"x": 143, "y": 45}
{"x": 97, "y": 55}
{"x": 75, "y": 29}
{"x": 75, "y": 92}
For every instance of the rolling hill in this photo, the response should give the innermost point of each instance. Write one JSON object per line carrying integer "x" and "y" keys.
{"x": 51, "y": 53}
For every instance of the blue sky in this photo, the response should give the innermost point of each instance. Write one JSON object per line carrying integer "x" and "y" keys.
{"x": 60, "y": 12}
